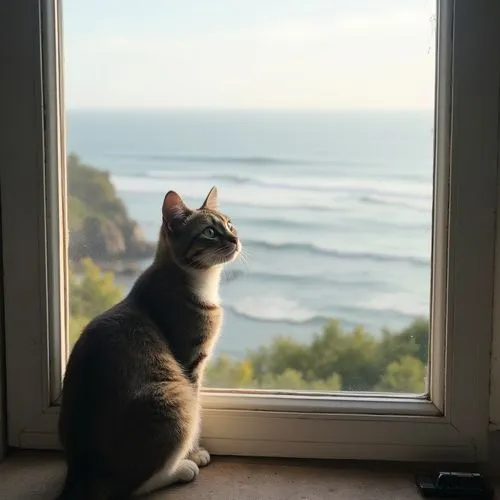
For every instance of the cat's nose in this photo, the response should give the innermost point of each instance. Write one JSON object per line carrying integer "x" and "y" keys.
{"x": 232, "y": 239}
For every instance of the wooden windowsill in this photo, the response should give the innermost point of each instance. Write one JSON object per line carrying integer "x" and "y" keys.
{"x": 37, "y": 475}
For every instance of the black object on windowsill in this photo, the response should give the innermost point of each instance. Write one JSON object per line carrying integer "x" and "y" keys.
{"x": 470, "y": 485}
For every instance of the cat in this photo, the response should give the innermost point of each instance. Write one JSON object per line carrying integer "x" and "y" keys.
{"x": 130, "y": 410}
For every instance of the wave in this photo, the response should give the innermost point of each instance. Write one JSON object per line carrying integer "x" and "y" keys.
{"x": 237, "y": 274}
{"x": 223, "y": 159}
{"x": 293, "y": 196}
{"x": 420, "y": 207}
{"x": 379, "y": 200}
{"x": 330, "y": 225}
{"x": 276, "y": 222}
{"x": 317, "y": 250}
{"x": 269, "y": 206}
{"x": 416, "y": 190}
{"x": 201, "y": 176}
{"x": 313, "y": 319}
{"x": 275, "y": 309}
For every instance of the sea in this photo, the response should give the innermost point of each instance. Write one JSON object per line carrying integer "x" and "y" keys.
{"x": 334, "y": 208}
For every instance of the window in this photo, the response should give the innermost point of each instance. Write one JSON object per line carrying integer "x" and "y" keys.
{"x": 434, "y": 423}
{"x": 329, "y": 183}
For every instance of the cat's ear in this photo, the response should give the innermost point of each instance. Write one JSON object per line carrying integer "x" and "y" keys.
{"x": 174, "y": 210}
{"x": 211, "y": 201}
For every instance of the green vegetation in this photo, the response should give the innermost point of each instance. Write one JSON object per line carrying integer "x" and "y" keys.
{"x": 334, "y": 359}
{"x": 90, "y": 294}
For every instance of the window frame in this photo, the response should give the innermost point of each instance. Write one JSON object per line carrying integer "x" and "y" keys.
{"x": 451, "y": 424}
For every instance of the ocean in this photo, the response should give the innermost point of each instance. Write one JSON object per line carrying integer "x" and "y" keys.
{"x": 333, "y": 207}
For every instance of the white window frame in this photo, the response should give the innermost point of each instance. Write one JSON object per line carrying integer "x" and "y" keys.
{"x": 451, "y": 424}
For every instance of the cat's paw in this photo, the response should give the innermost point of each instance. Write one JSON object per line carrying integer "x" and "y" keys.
{"x": 200, "y": 457}
{"x": 187, "y": 471}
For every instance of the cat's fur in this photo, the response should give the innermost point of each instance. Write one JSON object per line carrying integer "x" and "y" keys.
{"x": 130, "y": 411}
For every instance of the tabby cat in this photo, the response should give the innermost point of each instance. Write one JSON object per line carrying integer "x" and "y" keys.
{"x": 130, "y": 414}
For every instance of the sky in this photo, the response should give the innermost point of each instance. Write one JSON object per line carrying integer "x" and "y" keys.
{"x": 256, "y": 54}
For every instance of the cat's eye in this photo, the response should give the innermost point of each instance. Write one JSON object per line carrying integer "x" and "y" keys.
{"x": 209, "y": 232}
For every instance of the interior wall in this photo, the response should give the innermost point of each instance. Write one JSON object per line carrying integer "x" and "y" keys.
{"x": 3, "y": 406}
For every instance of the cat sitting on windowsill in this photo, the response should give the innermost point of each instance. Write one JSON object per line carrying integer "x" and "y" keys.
{"x": 130, "y": 413}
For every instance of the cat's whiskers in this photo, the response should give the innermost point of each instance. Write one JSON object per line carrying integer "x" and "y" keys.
{"x": 245, "y": 257}
{"x": 229, "y": 275}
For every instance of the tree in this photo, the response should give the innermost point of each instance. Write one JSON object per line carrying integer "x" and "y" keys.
{"x": 406, "y": 375}
{"x": 411, "y": 341}
{"x": 350, "y": 354}
{"x": 334, "y": 360}
{"x": 283, "y": 353}
{"x": 224, "y": 372}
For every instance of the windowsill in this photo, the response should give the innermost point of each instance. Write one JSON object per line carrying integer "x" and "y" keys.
{"x": 27, "y": 475}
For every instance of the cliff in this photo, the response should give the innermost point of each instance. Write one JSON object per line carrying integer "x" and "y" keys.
{"x": 99, "y": 225}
